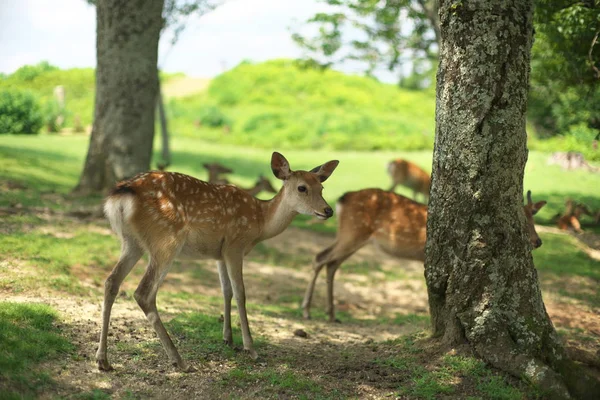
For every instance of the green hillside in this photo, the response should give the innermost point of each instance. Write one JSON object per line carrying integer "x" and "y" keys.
{"x": 41, "y": 79}
{"x": 280, "y": 103}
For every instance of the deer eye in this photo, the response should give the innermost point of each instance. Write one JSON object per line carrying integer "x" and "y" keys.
{"x": 302, "y": 189}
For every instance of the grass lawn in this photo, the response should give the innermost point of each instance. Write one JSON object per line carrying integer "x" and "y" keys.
{"x": 54, "y": 263}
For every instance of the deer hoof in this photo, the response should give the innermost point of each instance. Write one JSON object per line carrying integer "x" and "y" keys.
{"x": 183, "y": 367}
{"x": 103, "y": 365}
{"x": 252, "y": 353}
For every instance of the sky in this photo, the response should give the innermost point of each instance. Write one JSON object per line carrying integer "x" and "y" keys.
{"x": 63, "y": 32}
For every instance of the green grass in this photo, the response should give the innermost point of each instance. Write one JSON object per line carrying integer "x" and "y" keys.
{"x": 275, "y": 383}
{"x": 449, "y": 374}
{"x": 48, "y": 253}
{"x": 28, "y": 336}
{"x": 48, "y": 163}
{"x": 43, "y": 169}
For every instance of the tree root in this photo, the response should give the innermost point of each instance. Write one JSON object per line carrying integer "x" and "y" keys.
{"x": 583, "y": 356}
{"x": 566, "y": 380}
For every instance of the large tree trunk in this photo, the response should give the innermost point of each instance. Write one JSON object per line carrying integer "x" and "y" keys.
{"x": 126, "y": 91}
{"x": 482, "y": 284}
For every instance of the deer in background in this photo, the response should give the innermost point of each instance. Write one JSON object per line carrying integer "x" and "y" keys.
{"x": 394, "y": 223}
{"x": 409, "y": 174}
{"x": 262, "y": 184}
{"x": 171, "y": 215}
{"x": 214, "y": 170}
{"x": 570, "y": 219}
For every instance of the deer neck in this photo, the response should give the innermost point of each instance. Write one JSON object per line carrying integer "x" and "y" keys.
{"x": 254, "y": 190}
{"x": 278, "y": 215}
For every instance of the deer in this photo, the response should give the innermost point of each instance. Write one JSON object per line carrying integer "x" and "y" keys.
{"x": 394, "y": 223}
{"x": 409, "y": 174}
{"x": 570, "y": 219}
{"x": 214, "y": 170}
{"x": 171, "y": 215}
{"x": 262, "y": 184}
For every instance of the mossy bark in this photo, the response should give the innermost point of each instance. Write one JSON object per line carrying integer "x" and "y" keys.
{"x": 127, "y": 35}
{"x": 482, "y": 284}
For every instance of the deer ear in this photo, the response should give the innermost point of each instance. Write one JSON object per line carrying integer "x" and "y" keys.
{"x": 280, "y": 166}
{"x": 324, "y": 171}
{"x": 537, "y": 207}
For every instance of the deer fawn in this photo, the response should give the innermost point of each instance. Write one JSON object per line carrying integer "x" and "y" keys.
{"x": 262, "y": 184}
{"x": 394, "y": 223}
{"x": 170, "y": 215}
{"x": 570, "y": 220}
{"x": 214, "y": 170}
{"x": 410, "y": 175}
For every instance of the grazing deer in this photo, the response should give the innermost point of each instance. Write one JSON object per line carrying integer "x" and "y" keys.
{"x": 410, "y": 175}
{"x": 170, "y": 215}
{"x": 569, "y": 220}
{"x": 394, "y": 223}
{"x": 214, "y": 170}
{"x": 262, "y": 184}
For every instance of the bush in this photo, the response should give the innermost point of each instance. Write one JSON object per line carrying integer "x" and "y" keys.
{"x": 19, "y": 112}
{"x": 213, "y": 117}
{"x": 54, "y": 116}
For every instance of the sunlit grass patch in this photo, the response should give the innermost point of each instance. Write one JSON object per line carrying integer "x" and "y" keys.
{"x": 201, "y": 336}
{"x": 48, "y": 258}
{"x": 28, "y": 336}
{"x": 274, "y": 383}
{"x": 566, "y": 269}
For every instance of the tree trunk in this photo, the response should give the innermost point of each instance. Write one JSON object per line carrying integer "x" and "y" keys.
{"x": 482, "y": 284}
{"x": 126, "y": 92}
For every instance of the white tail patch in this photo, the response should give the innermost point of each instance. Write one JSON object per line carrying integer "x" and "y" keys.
{"x": 118, "y": 210}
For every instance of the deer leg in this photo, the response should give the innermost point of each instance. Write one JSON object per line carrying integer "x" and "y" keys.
{"x": 393, "y": 188}
{"x": 131, "y": 252}
{"x": 317, "y": 267}
{"x": 145, "y": 295}
{"x": 227, "y": 295}
{"x": 234, "y": 263}
{"x": 331, "y": 270}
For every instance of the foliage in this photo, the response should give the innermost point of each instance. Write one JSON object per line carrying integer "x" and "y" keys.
{"x": 285, "y": 104}
{"x": 213, "y": 117}
{"x": 565, "y": 77}
{"x": 28, "y": 336}
{"x": 42, "y": 79}
{"x": 19, "y": 112}
{"x": 373, "y": 33}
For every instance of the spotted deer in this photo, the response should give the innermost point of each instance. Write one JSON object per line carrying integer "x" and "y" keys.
{"x": 409, "y": 174}
{"x": 171, "y": 215}
{"x": 214, "y": 170}
{"x": 394, "y": 223}
{"x": 262, "y": 184}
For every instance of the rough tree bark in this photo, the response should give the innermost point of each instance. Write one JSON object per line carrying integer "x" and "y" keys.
{"x": 482, "y": 284}
{"x": 127, "y": 37}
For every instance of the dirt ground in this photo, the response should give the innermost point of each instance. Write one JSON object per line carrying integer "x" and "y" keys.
{"x": 338, "y": 355}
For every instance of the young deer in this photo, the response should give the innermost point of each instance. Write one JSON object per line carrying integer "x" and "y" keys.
{"x": 572, "y": 215}
{"x": 410, "y": 175}
{"x": 170, "y": 215}
{"x": 214, "y": 170}
{"x": 261, "y": 184}
{"x": 394, "y": 223}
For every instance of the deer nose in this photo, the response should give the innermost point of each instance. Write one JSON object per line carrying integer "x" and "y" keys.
{"x": 328, "y": 212}
{"x": 538, "y": 243}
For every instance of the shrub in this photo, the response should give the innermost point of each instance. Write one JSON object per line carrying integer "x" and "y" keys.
{"x": 213, "y": 117}
{"x": 54, "y": 116}
{"x": 19, "y": 112}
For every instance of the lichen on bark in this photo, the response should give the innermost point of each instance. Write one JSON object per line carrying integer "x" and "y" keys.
{"x": 481, "y": 280}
